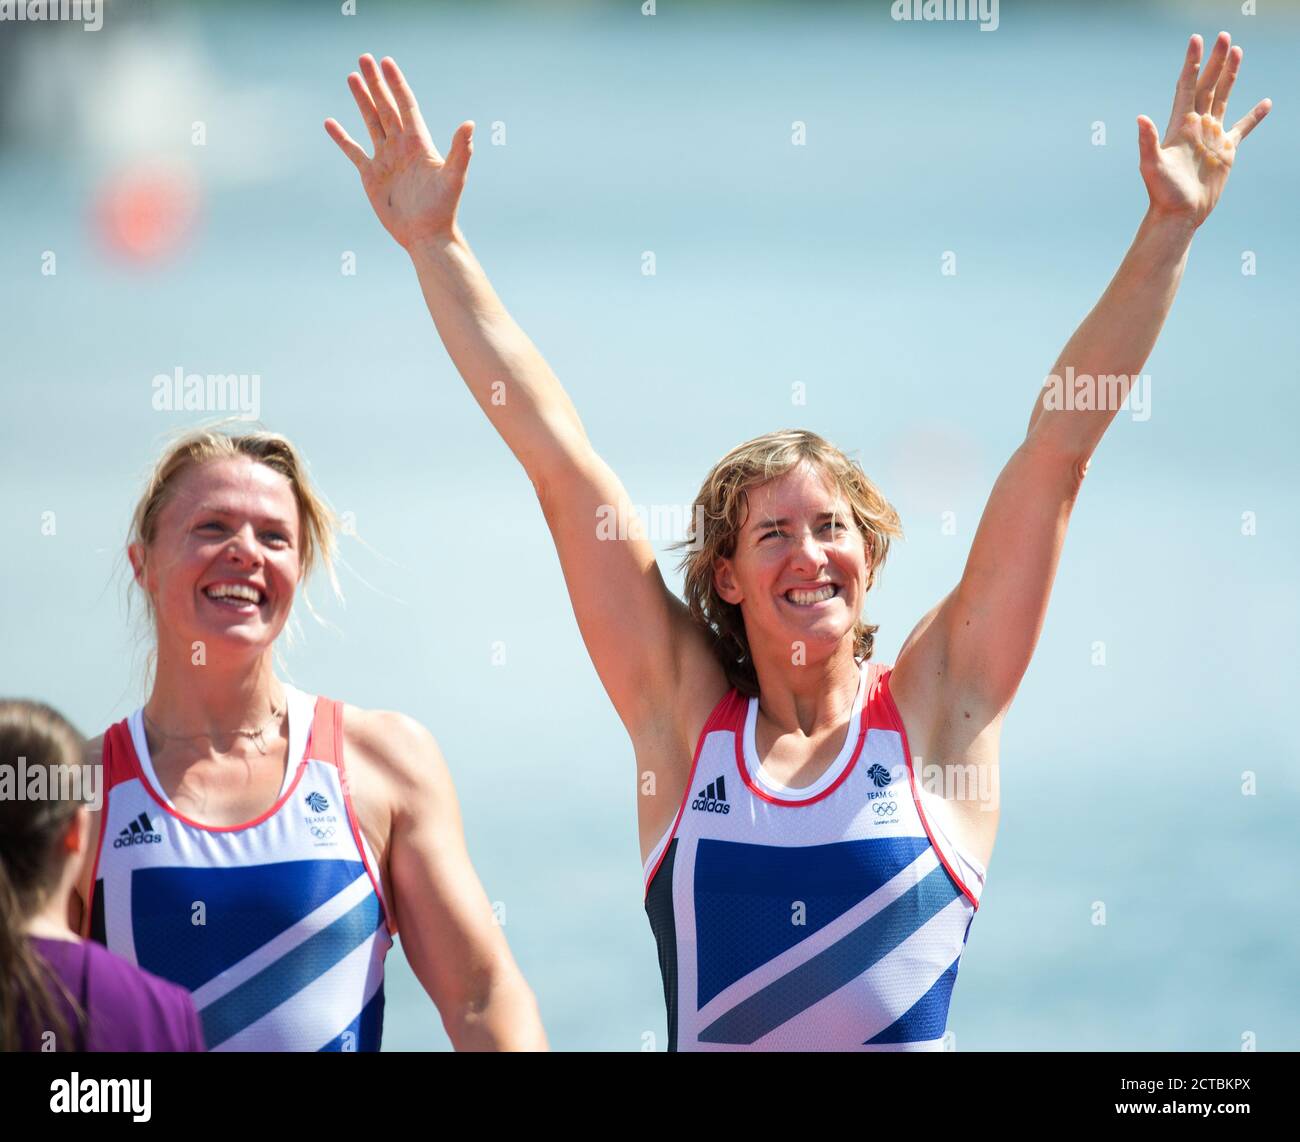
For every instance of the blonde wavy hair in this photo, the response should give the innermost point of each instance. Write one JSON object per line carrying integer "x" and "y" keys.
{"x": 317, "y": 543}
{"x": 720, "y": 508}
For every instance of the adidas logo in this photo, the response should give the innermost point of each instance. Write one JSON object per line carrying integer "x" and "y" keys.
{"x": 713, "y": 797}
{"x": 138, "y": 832}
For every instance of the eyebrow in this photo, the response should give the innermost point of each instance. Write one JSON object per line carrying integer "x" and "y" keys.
{"x": 764, "y": 524}
{"x": 266, "y": 520}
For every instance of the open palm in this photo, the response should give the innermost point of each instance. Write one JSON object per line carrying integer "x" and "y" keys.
{"x": 1186, "y": 173}
{"x": 413, "y": 189}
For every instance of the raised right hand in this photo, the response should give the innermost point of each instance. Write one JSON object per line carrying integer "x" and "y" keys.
{"x": 413, "y": 189}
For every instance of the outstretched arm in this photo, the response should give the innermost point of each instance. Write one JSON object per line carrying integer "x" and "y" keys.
{"x": 415, "y": 193}
{"x": 1184, "y": 175}
{"x": 974, "y": 647}
{"x": 637, "y": 633}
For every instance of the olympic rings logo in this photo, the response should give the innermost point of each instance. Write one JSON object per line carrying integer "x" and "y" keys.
{"x": 884, "y": 808}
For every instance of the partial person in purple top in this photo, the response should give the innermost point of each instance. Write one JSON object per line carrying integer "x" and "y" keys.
{"x": 57, "y": 991}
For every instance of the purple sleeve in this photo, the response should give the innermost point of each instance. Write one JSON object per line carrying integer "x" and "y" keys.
{"x": 178, "y": 1020}
{"x": 126, "y": 1008}
{"x": 133, "y": 1010}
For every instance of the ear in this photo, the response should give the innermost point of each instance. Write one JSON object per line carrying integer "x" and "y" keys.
{"x": 135, "y": 553}
{"x": 724, "y": 582}
{"x": 78, "y": 833}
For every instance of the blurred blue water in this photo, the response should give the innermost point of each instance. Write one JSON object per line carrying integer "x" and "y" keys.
{"x": 775, "y": 264}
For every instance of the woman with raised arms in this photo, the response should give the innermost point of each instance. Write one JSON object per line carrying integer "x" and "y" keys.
{"x": 260, "y": 845}
{"x": 806, "y": 888}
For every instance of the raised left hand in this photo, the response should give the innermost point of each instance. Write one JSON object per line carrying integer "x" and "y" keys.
{"x": 1186, "y": 173}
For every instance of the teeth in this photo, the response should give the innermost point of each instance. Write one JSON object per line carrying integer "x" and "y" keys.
{"x": 807, "y": 598}
{"x": 234, "y": 591}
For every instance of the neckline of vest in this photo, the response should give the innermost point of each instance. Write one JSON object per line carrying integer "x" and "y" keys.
{"x": 300, "y": 710}
{"x": 759, "y": 782}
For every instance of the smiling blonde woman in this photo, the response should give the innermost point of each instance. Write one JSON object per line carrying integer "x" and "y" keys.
{"x": 806, "y": 889}
{"x": 260, "y": 845}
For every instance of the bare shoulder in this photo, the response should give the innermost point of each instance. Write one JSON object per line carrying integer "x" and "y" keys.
{"x": 394, "y": 749}
{"x": 924, "y": 680}
{"x": 917, "y": 681}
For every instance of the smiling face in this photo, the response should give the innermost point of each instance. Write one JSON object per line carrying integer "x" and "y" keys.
{"x": 224, "y": 561}
{"x": 799, "y": 569}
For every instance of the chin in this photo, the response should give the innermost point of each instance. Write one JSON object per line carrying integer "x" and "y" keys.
{"x": 240, "y": 638}
{"x": 823, "y": 637}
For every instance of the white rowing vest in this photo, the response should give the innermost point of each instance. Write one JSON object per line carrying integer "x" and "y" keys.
{"x": 831, "y": 917}
{"x": 277, "y": 927}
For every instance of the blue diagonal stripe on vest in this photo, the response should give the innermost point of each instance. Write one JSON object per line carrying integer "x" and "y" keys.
{"x": 835, "y": 966}
{"x": 247, "y": 906}
{"x": 288, "y": 975}
{"x": 927, "y": 1019}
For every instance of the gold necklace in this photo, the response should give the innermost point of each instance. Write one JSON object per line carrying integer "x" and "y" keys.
{"x": 256, "y": 736}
